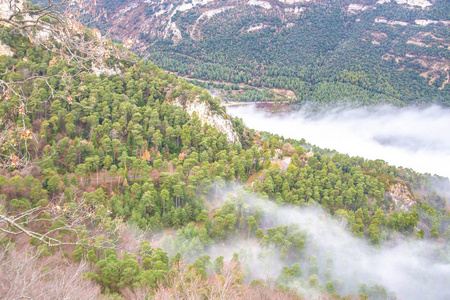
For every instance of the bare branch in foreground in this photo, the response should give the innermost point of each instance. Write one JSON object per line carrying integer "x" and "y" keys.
{"x": 73, "y": 224}
{"x": 26, "y": 275}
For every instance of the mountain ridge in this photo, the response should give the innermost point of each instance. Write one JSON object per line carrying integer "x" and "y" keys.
{"x": 112, "y": 186}
{"x": 324, "y": 51}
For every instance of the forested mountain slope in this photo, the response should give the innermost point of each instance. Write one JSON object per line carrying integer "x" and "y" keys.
{"x": 320, "y": 51}
{"x": 100, "y": 158}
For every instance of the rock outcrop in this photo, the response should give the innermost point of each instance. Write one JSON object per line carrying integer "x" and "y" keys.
{"x": 8, "y": 7}
{"x": 263, "y": 4}
{"x": 401, "y": 196}
{"x": 207, "y": 116}
{"x": 412, "y": 3}
{"x": 5, "y": 50}
{"x": 146, "y": 20}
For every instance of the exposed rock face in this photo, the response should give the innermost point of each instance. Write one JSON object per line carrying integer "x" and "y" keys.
{"x": 420, "y": 3}
{"x": 293, "y": 1}
{"x": 188, "y": 6}
{"x": 97, "y": 70}
{"x": 146, "y": 20}
{"x": 401, "y": 196}
{"x": 383, "y": 20}
{"x": 5, "y": 50}
{"x": 309, "y": 154}
{"x": 176, "y": 33}
{"x": 8, "y": 7}
{"x": 262, "y": 4}
{"x": 207, "y": 116}
{"x": 355, "y": 8}
{"x": 428, "y": 22}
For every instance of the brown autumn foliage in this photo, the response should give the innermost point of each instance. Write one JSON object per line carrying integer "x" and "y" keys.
{"x": 288, "y": 149}
{"x": 65, "y": 37}
{"x": 186, "y": 283}
{"x": 29, "y": 274}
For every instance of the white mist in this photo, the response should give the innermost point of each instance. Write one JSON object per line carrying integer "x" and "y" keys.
{"x": 417, "y": 138}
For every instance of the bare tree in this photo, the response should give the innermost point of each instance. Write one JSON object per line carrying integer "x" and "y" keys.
{"x": 72, "y": 224}
{"x": 57, "y": 28}
{"x": 182, "y": 283}
{"x": 185, "y": 283}
{"x": 27, "y": 275}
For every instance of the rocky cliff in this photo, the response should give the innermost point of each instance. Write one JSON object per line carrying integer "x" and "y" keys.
{"x": 7, "y": 9}
{"x": 208, "y": 116}
{"x": 170, "y": 23}
{"x": 160, "y": 18}
{"x": 401, "y": 196}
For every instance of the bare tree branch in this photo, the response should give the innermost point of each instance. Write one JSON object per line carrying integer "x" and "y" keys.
{"x": 27, "y": 275}
{"x": 83, "y": 224}
{"x": 56, "y": 28}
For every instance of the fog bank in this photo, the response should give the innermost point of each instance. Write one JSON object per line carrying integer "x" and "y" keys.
{"x": 411, "y": 269}
{"x": 417, "y": 138}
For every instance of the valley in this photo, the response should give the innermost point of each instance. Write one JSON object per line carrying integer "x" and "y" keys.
{"x": 123, "y": 176}
{"x": 324, "y": 52}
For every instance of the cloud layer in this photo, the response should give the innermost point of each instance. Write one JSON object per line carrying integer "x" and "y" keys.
{"x": 417, "y": 138}
{"x": 411, "y": 269}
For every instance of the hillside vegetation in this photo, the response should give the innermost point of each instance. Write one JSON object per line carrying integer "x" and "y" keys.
{"x": 108, "y": 163}
{"x": 324, "y": 52}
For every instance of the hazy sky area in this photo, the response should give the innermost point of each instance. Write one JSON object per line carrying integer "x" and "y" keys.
{"x": 417, "y": 138}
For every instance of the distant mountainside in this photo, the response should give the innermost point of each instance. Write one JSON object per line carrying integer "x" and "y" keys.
{"x": 319, "y": 50}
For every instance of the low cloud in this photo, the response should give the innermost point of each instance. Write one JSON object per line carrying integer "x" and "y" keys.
{"x": 411, "y": 269}
{"x": 417, "y": 138}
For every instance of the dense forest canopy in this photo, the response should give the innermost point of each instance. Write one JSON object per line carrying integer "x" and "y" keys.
{"x": 321, "y": 51}
{"x": 124, "y": 189}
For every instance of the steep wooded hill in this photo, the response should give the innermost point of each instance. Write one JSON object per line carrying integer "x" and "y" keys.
{"x": 101, "y": 155}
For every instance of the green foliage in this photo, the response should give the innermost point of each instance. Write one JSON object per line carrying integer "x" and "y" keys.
{"x": 326, "y": 56}
{"x": 114, "y": 274}
{"x": 377, "y": 292}
{"x": 138, "y": 157}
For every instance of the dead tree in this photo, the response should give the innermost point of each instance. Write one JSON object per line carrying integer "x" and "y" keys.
{"x": 27, "y": 275}
{"x": 71, "y": 224}
{"x": 56, "y": 28}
